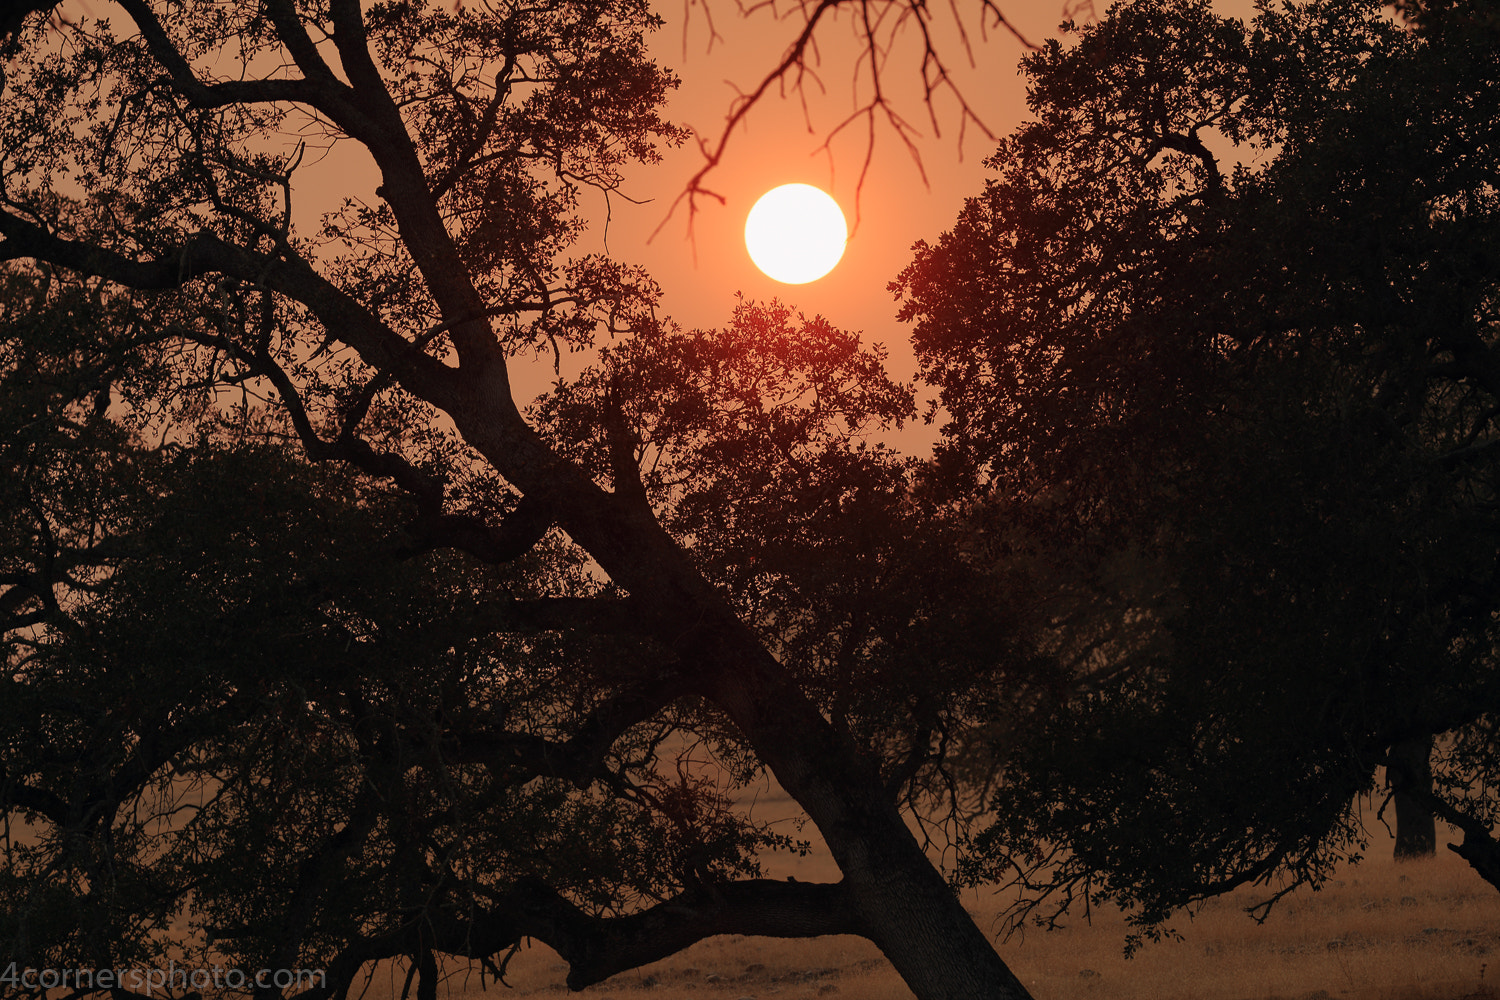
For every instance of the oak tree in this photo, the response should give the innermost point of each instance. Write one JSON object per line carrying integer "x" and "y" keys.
{"x": 1219, "y": 339}
{"x": 316, "y": 637}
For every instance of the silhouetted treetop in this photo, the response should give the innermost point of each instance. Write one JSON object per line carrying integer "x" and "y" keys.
{"x": 1220, "y": 334}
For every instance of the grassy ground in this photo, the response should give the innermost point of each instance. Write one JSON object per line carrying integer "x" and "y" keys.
{"x": 1416, "y": 931}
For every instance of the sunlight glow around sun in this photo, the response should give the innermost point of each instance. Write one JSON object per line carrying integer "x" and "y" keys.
{"x": 796, "y": 233}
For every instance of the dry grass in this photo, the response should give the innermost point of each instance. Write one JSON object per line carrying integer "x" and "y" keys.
{"x": 1425, "y": 930}
{"x": 1416, "y": 931}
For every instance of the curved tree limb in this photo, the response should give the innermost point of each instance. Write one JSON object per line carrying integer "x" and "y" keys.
{"x": 596, "y": 947}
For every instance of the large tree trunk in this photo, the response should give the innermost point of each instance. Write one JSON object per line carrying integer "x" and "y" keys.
{"x": 1409, "y": 775}
{"x": 903, "y": 903}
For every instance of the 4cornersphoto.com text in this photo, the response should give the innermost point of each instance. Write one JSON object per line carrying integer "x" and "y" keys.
{"x": 152, "y": 982}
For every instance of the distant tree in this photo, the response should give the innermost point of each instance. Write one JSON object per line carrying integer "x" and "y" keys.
{"x": 1220, "y": 339}
{"x": 317, "y": 639}
{"x": 1409, "y": 778}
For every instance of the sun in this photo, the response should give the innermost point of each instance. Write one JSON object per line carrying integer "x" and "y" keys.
{"x": 796, "y": 233}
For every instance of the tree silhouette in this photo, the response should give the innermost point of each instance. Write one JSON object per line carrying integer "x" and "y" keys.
{"x": 1221, "y": 331}
{"x": 314, "y": 630}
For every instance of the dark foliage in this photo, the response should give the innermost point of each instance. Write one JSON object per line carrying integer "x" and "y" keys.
{"x": 1220, "y": 339}
{"x": 317, "y": 642}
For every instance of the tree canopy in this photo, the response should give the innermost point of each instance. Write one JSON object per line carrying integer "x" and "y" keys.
{"x": 317, "y": 639}
{"x": 1219, "y": 337}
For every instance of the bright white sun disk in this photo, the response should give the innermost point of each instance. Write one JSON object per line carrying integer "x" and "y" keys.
{"x": 796, "y": 233}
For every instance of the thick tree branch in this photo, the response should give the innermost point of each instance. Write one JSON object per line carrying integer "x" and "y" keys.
{"x": 580, "y": 759}
{"x": 512, "y": 538}
{"x": 405, "y": 187}
{"x": 596, "y": 948}
{"x": 350, "y": 38}
{"x": 204, "y": 253}
{"x": 293, "y": 34}
{"x": 30, "y": 589}
{"x": 19, "y": 795}
{"x": 210, "y": 95}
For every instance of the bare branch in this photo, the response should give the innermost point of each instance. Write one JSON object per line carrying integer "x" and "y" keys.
{"x": 880, "y": 22}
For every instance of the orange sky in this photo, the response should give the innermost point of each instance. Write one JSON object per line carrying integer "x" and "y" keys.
{"x": 701, "y": 275}
{"x": 777, "y": 147}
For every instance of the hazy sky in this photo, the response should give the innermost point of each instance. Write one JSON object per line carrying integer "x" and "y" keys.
{"x": 777, "y": 147}
{"x": 701, "y": 274}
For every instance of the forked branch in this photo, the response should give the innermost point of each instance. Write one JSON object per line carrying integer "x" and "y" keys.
{"x": 879, "y": 23}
